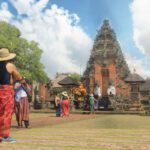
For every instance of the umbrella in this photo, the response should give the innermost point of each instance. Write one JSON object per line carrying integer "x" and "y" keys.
{"x": 68, "y": 81}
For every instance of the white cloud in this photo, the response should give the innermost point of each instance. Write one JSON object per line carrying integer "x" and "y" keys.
{"x": 140, "y": 65}
{"x": 141, "y": 24}
{"x": 29, "y": 7}
{"x": 65, "y": 44}
{"x": 5, "y": 15}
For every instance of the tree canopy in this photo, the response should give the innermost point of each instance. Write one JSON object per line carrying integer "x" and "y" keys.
{"x": 75, "y": 76}
{"x": 28, "y": 53}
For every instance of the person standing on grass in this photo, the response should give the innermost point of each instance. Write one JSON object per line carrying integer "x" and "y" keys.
{"x": 58, "y": 105}
{"x": 92, "y": 103}
{"x": 65, "y": 104}
{"x": 97, "y": 95}
{"x": 8, "y": 72}
{"x": 111, "y": 92}
{"x": 21, "y": 105}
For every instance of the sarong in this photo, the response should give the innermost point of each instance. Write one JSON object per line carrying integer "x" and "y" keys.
{"x": 22, "y": 110}
{"x": 92, "y": 107}
{"x": 65, "y": 108}
{"x": 6, "y": 109}
{"x": 58, "y": 110}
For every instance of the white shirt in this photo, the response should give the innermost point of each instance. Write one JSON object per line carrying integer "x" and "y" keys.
{"x": 20, "y": 93}
{"x": 111, "y": 90}
{"x": 97, "y": 91}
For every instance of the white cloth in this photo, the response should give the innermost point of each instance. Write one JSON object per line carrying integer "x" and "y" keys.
{"x": 97, "y": 91}
{"x": 20, "y": 93}
{"x": 111, "y": 90}
{"x": 17, "y": 85}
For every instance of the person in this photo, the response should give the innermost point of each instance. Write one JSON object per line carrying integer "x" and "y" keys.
{"x": 65, "y": 104}
{"x": 8, "y": 72}
{"x": 21, "y": 105}
{"x": 111, "y": 92}
{"x": 72, "y": 108}
{"x": 92, "y": 101}
{"x": 58, "y": 105}
{"x": 86, "y": 102}
{"x": 97, "y": 95}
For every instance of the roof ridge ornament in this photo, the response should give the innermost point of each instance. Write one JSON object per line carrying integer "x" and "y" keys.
{"x": 134, "y": 70}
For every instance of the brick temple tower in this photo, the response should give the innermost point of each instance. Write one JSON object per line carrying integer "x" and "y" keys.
{"x": 106, "y": 63}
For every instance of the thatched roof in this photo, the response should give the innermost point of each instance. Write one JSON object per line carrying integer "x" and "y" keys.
{"x": 68, "y": 81}
{"x": 134, "y": 78}
{"x": 57, "y": 79}
{"x": 145, "y": 86}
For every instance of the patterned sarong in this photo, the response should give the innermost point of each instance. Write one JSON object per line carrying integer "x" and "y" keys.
{"x": 6, "y": 109}
{"x": 65, "y": 107}
{"x": 22, "y": 110}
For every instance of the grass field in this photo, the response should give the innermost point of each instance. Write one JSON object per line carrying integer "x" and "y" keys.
{"x": 102, "y": 132}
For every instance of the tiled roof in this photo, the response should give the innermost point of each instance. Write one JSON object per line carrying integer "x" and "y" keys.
{"x": 134, "y": 78}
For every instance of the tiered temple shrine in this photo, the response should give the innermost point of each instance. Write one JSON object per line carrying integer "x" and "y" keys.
{"x": 106, "y": 63}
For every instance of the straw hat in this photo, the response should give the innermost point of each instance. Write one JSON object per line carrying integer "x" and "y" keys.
{"x": 65, "y": 94}
{"x": 91, "y": 95}
{"x": 6, "y": 55}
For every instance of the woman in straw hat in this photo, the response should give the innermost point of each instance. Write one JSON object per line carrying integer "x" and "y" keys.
{"x": 8, "y": 72}
{"x": 65, "y": 104}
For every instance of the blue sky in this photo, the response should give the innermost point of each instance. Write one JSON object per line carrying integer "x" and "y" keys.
{"x": 74, "y": 23}
{"x": 92, "y": 13}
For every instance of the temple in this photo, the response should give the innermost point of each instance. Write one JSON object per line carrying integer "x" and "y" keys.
{"x": 106, "y": 64}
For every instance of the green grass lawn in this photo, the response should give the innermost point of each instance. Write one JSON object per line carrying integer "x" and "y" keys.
{"x": 35, "y": 115}
{"x": 104, "y": 132}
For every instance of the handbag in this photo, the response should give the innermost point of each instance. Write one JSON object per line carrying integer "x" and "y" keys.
{"x": 28, "y": 92}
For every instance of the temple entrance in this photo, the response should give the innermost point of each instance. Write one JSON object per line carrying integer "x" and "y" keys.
{"x": 105, "y": 81}
{"x": 104, "y": 102}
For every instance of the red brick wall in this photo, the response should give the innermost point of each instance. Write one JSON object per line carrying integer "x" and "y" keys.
{"x": 112, "y": 73}
{"x": 42, "y": 91}
{"x": 97, "y": 75}
{"x": 121, "y": 87}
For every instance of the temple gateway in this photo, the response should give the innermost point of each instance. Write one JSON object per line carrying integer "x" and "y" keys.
{"x": 106, "y": 64}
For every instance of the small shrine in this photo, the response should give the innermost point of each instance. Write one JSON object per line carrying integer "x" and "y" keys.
{"x": 135, "y": 81}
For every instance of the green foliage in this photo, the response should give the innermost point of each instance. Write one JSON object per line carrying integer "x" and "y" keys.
{"x": 119, "y": 85}
{"x": 28, "y": 53}
{"x": 75, "y": 76}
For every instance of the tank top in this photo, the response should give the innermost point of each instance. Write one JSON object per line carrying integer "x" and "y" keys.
{"x": 4, "y": 74}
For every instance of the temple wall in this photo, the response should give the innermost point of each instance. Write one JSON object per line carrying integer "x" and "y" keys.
{"x": 97, "y": 75}
{"x": 42, "y": 92}
{"x": 112, "y": 74}
{"x": 121, "y": 87}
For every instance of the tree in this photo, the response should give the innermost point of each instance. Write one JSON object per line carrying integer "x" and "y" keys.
{"x": 28, "y": 53}
{"x": 75, "y": 76}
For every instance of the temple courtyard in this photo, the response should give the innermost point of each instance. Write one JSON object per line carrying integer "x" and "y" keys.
{"x": 82, "y": 132}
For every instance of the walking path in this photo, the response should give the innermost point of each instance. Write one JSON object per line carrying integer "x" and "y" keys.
{"x": 52, "y": 120}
